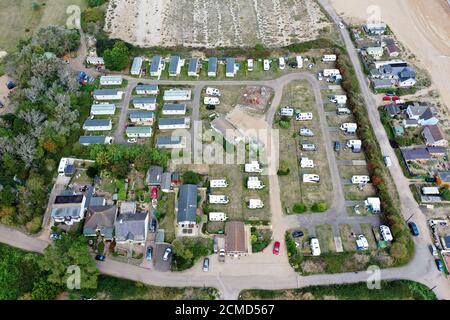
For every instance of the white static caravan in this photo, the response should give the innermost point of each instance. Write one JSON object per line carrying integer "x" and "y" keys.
{"x": 339, "y": 99}
{"x": 253, "y": 167}
{"x": 103, "y": 109}
{"x": 136, "y": 66}
{"x": 177, "y": 95}
{"x": 139, "y": 132}
{"x": 217, "y": 216}
{"x": 311, "y": 178}
{"x": 329, "y": 58}
{"x": 307, "y": 163}
{"x": 299, "y": 60}
{"x": 147, "y": 117}
{"x": 286, "y": 112}
{"x": 304, "y": 116}
{"x": 218, "y": 183}
{"x": 218, "y": 199}
{"x": 111, "y": 80}
{"x": 147, "y": 89}
{"x": 97, "y": 125}
{"x": 211, "y": 101}
{"x": 331, "y": 72}
{"x": 255, "y": 204}
{"x": 107, "y": 94}
{"x": 174, "y": 123}
{"x": 170, "y": 109}
{"x": 144, "y": 103}
{"x": 254, "y": 183}
{"x": 360, "y": 179}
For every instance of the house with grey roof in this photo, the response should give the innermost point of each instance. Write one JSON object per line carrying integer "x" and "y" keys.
{"x": 136, "y": 67}
{"x": 376, "y": 28}
{"x": 154, "y": 175}
{"x": 194, "y": 67}
{"x": 131, "y": 228}
{"x": 68, "y": 208}
{"x": 144, "y": 103}
{"x": 392, "y": 110}
{"x": 156, "y": 66}
{"x": 171, "y": 109}
{"x": 418, "y": 154}
{"x": 171, "y": 142}
{"x": 392, "y": 50}
{"x": 147, "y": 89}
{"x": 97, "y": 125}
{"x": 174, "y": 66}
{"x": 231, "y": 69}
{"x": 100, "y": 220}
{"x": 434, "y": 136}
{"x": 382, "y": 84}
{"x": 212, "y": 67}
{"x": 88, "y": 140}
{"x": 187, "y": 206}
{"x": 422, "y": 113}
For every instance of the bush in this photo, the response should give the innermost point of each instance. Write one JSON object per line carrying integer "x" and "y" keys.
{"x": 284, "y": 168}
{"x": 190, "y": 177}
{"x": 92, "y": 15}
{"x": 95, "y": 3}
{"x": 445, "y": 194}
{"x": 319, "y": 207}
{"x": 284, "y": 124}
{"x": 117, "y": 58}
{"x": 299, "y": 207}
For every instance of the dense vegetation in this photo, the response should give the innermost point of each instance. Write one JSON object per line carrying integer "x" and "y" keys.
{"x": 186, "y": 251}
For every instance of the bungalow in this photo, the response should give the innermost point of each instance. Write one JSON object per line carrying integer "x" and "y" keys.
{"x": 88, "y": 140}
{"x": 392, "y": 50}
{"x": 132, "y": 228}
{"x": 100, "y": 220}
{"x": 103, "y": 109}
{"x": 177, "y": 95}
{"x": 382, "y": 84}
{"x": 434, "y": 136}
{"x": 147, "y": 89}
{"x": 231, "y": 67}
{"x": 375, "y": 28}
{"x": 156, "y": 66}
{"x": 97, "y": 125}
{"x": 212, "y": 67}
{"x": 96, "y": 61}
{"x": 187, "y": 206}
{"x": 174, "y": 123}
{"x": 418, "y": 154}
{"x": 236, "y": 243}
{"x": 136, "y": 66}
{"x": 147, "y": 117}
{"x": 148, "y": 103}
{"x": 166, "y": 182}
{"x": 111, "y": 80}
{"x": 443, "y": 179}
{"x": 194, "y": 67}
{"x": 422, "y": 113}
{"x": 154, "y": 175}
{"x": 174, "y": 66}
{"x": 108, "y": 94}
{"x": 376, "y": 52}
{"x": 139, "y": 132}
{"x": 392, "y": 110}
{"x": 170, "y": 142}
{"x": 68, "y": 208}
{"x": 407, "y": 78}
{"x": 170, "y": 109}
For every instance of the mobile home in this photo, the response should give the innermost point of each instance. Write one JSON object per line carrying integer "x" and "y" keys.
{"x": 111, "y": 80}
{"x": 212, "y": 67}
{"x": 139, "y": 132}
{"x": 144, "y": 103}
{"x": 170, "y": 109}
{"x": 177, "y": 95}
{"x": 142, "y": 117}
{"x": 156, "y": 66}
{"x": 174, "y": 66}
{"x": 136, "y": 66}
{"x": 97, "y": 125}
{"x": 107, "y": 94}
{"x": 171, "y": 142}
{"x": 193, "y": 67}
{"x": 173, "y": 123}
{"x": 88, "y": 140}
{"x": 231, "y": 67}
{"x": 151, "y": 89}
{"x": 103, "y": 109}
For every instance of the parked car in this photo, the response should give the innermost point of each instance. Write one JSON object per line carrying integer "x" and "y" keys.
{"x": 440, "y": 265}
{"x": 434, "y": 250}
{"x": 100, "y": 257}
{"x": 153, "y": 225}
{"x": 132, "y": 140}
{"x": 206, "y": 265}
{"x": 387, "y": 161}
{"x": 414, "y": 229}
{"x": 216, "y": 244}
{"x": 387, "y": 98}
{"x": 210, "y": 107}
{"x": 55, "y": 236}
{"x": 390, "y": 93}
{"x": 167, "y": 253}
{"x": 222, "y": 255}
{"x": 337, "y": 146}
{"x": 297, "y": 234}
{"x": 430, "y": 179}
{"x": 276, "y": 247}
{"x": 149, "y": 253}
{"x": 341, "y": 25}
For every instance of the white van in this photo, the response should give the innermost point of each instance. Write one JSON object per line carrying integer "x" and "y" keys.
{"x": 218, "y": 183}
{"x": 386, "y": 233}
{"x": 306, "y": 163}
{"x": 343, "y": 111}
{"x": 309, "y": 147}
{"x": 213, "y": 92}
{"x": 255, "y": 204}
{"x": 311, "y": 178}
{"x": 360, "y": 179}
{"x": 387, "y": 161}
{"x": 281, "y": 63}
{"x": 266, "y": 65}
{"x": 299, "y": 60}
{"x": 218, "y": 199}
{"x": 304, "y": 116}
{"x": 315, "y": 247}
{"x": 250, "y": 64}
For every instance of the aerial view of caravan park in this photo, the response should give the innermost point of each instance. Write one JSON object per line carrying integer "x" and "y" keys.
{"x": 230, "y": 153}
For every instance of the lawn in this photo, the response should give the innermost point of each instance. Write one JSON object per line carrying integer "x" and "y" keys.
{"x": 348, "y": 242}
{"x": 324, "y": 233}
{"x": 168, "y": 216}
{"x": 366, "y": 229}
{"x": 353, "y": 193}
{"x": 229, "y": 96}
{"x": 390, "y": 290}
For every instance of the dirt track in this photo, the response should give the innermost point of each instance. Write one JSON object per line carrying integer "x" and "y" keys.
{"x": 423, "y": 26}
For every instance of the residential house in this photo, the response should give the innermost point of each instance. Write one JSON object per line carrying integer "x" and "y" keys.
{"x": 177, "y": 95}
{"x": 443, "y": 179}
{"x": 97, "y": 125}
{"x": 231, "y": 67}
{"x": 147, "y": 89}
{"x": 132, "y": 228}
{"x": 236, "y": 243}
{"x": 417, "y": 154}
{"x": 88, "y": 140}
{"x": 392, "y": 50}
{"x": 212, "y": 67}
{"x": 170, "y": 109}
{"x": 407, "y": 78}
{"x": 194, "y": 67}
{"x": 422, "y": 113}
{"x": 100, "y": 220}
{"x": 107, "y": 94}
{"x": 154, "y": 175}
{"x": 398, "y": 71}
{"x": 187, "y": 207}
{"x": 139, "y": 132}
{"x": 174, "y": 123}
{"x": 170, "y": 142}
{"x": 376, "y": 52}
{"x": 375, "y": 28}
{"x": 410, "y": 123}
{"x": 111, "y": 80}
{"x": 434, "y": 136}
{"x": 68, "y": 208}
{"x": 156, "y": 67}
{"x": 166, "y": 182}
{"x": 136, "y": 67}
{"x": 392, "y": 110}
{"x": 174, "y": 66}
{"x": 144, "y": 103}
{"x": 103, "y": 109}
{"x": 144, "y": 117}
{"x": 382, "y": 84}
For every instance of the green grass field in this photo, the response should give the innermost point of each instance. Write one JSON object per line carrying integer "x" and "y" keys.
{"x": 20, "y": 20}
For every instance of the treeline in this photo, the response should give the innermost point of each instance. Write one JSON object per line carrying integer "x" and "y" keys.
{"x": 402, "y": 248}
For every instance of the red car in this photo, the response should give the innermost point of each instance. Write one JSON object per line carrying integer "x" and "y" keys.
{"x": 154, "y": 193}
{"x": 276, "y": 247}
{"x": 387, "y": 98}
{"x": 396, "y": 98}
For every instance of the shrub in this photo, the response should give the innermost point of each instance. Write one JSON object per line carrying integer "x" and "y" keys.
{"x": 190, "y": 177}
{"x": 284, "y": 168}
{"x": 320, "y": 207}
{"x": 299, "y": 207}
{"x": 284, "y": 124}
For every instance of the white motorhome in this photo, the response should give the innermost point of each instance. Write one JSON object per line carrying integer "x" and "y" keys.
{"x": 218, "y": 183}
{"x": 339, "y": 99}
{"x": 250, "y": 64}
{"x": 254, "y": 183}
{"x": 253, "y": 167}
{"x": 304, "y": 116}
{"x": 306, "y": 163}
{"x": 331, "y": 72}
{"x": 329, "y": 58}
{"x": 315, "y": 247}
{"x": 361, "y": 242}
{"x": 218, "y": 199}
{"x": 349, "y": 127}
{"x": 354, "y": 143}
{"x": 386, "y": 233}
{"x": 311, "y": 178}
{"x": 299, "y": 60}
{"x": 305, "y": 132}
{"x": 211, "y": 101}
{"x": 287, "y": 112}
{"x": 360, "y": 179}
{"x": 255, "y": 204}
{"x": 213, "y": 92}
{"x": 281, "y": 63}
{"x": 266, "y": 65}
{"x": 217, "y": 216}
{"x": 309, "y": 147}
{"x": 343, "y": 111}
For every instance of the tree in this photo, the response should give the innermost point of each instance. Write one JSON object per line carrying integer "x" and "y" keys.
{"x": 92, "y": 171}
{"x": 299, "y": 207}
{"x": 191, "y": 177}
{"x": 44, "y": 290}
{"x": 320, "y": 207}
{"x": 116, "y": 58}
{"x": 120, "y": 169}
{"x": 445, "y": 194}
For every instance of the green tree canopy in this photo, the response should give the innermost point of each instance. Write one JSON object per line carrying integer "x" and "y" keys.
{"x": 116, "y": 58}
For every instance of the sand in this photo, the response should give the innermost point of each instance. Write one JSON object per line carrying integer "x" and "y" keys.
{"x": 423, "y": 26}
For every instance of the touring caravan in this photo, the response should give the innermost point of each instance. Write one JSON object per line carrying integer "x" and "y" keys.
{"x": 218, "y": 183}
{"x": 286, "y": 112}
{"x": 281, "y": 63}
{"x": 218, "y": 199}
{"x": 311, "y": 178}
{"x": 339, "y": 99}
{"x": 253, "y": 167}
{"x": 255, "y": 204}
{"x": 304, "y": 116}
{"x": 315, "y": 247}
{"x": 299, "y": 60}
{"x": 329, "y": 58}
{"x": 306, "y": 163}
{"x": 266, "y": 65}
{"x": 349, "y": 128}
{"x": 331, "y": 72}
{"x": 254, "y": 183}
{"x": 211, "y": 101}
{"x": 309, "y": 147}
{"x": 360, "y": 179}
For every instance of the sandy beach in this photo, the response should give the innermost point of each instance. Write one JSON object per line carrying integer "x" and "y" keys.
{"x": 422, "y": 26}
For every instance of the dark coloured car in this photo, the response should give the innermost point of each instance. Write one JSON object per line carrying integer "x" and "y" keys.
{"x": 414, "y": 229}
{"x": 149, "y": 255}
{"x": 390, "y": 93}
{"x": 440, "y": 265}
{"x": 206, "y": 265}
{"x": 430, "y": 179}
{"x": 153, "y": 225}
{"x": 210, "y": 107}
{"x": 297, "y": 234}
{"x": 337, "y": 146}
{"x": 100, "y": 257}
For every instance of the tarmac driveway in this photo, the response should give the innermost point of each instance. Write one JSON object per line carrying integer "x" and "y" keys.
{"x": 159, "y": 263}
